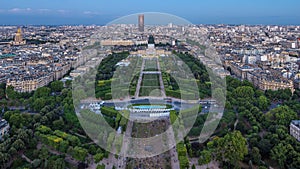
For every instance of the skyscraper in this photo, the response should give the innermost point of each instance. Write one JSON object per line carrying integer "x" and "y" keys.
{"x": 141, "y": 23}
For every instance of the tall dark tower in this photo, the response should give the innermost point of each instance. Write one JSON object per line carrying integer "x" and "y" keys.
{"x": 141, "y": 23}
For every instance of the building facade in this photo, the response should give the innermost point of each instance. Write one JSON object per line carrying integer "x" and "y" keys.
{"x": 19, "y": 38}
{"x": 295, "y": 129}
{"x": 29, "y": 85}
{"x": 265, "y": 81}
{"x": 4, "y": 128}
{"x": 141, "y": 21}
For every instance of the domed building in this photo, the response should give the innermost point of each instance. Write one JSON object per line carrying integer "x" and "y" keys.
{"x": 19, "y": 38}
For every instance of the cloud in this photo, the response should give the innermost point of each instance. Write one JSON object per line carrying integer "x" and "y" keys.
{"x": 20, "y": 10}
{"x": 62, "y": 11}
{"x": 25, "y": 11}
{"x": 44, "y": 10}
{"x": 90, "y": 13}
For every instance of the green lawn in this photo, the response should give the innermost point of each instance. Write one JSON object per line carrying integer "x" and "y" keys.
{"x": 150, "y": 85}
{"x": 151, "y": 65}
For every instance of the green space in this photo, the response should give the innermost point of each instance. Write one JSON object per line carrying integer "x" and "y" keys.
{"x": 105, "y": 73}
{"x": 187, "y": 90}
{"x": 133, "y": 84}
{"x": 182, "y": 155}
{"x": 151, "y": 65}
{"x": 46, "y": 129}
{"x": 150, "y": 85}
{"x": 260, "y": 138}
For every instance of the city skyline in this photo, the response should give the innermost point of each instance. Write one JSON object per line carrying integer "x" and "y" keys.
{"x": 78, "y": 12}
{"x": 149, "y": 84}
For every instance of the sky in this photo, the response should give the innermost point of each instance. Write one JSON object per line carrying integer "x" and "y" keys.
{"x": 101, "y": 12}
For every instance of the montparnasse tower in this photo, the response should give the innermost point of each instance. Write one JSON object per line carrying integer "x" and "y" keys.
{"x": 19, "y": 38}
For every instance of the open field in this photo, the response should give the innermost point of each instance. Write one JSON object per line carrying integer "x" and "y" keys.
{"x": 146, "y": 130}
{"x": 151, "y": 65}
{"x": 150, "y": 85}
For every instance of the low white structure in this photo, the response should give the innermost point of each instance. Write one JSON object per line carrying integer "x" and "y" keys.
{"x": 160, "y": 114}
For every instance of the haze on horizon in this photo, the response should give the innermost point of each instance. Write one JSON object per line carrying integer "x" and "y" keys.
{"x": 75, "y": 12}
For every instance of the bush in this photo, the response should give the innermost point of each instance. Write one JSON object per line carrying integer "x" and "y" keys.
{"x": 98, "y": 157}
{"x": 101, "y": 166}
{"x": 110, "y": 112}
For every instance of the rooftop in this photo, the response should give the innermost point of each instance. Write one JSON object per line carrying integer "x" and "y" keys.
{"x": 296, "y": 123}
{"x": 3, "y": 123}
{"x": 7, "y": 55}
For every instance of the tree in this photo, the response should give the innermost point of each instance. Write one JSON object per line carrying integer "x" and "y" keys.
{"x": 219, "y": 95}
{"x": 100, "y": 166}
{"x": 231, "y": 148}
{"x": 36, "y": 163}
{"x": 263, "y": 102}
{"x": 278, "y": 153}
{"x": 42, "y": 92}
{"x": 98, "y": 157}
{"x": 57, "y": 86}
{"x": 4, "y": 157}
{"x": 43, "y": 155}
{"x": 256, "y": 157}
{"x": 68, "y": 83}
{"x": 2, "y": 93}
{"x": 12, "y": 151}
{"x": 282, "y": 115}
{"x": 205, "y": 157}
{"x": 10, "y": 93}
{"x": 59, "y": 164}
{"x": 79, "y": 153}
{"x": 264, "y": 145}
{"x": 38, "y": 104}
{"x": 262, "y": 167}
{"x": 16, "y": 120}
{"x": 63, "y": 146}
{"x": 18, "y": 144}
{"x": 58, "y": 124}
{"x": 183, "y": 162}
{"x": 243, "y": 92}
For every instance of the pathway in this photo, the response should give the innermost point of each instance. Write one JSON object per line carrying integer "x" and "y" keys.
{"x": 162, "y": 87}
{"x": 142, "y": 72}
{"x": 173, "y": 152}
{"x": 138, "y": 86}
{"x": 125, "y": 145}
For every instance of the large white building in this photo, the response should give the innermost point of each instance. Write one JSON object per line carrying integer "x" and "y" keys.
{"x": 295, "y": 129}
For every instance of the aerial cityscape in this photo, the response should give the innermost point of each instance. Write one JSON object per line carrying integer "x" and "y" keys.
{"x": 149, "y": 90}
